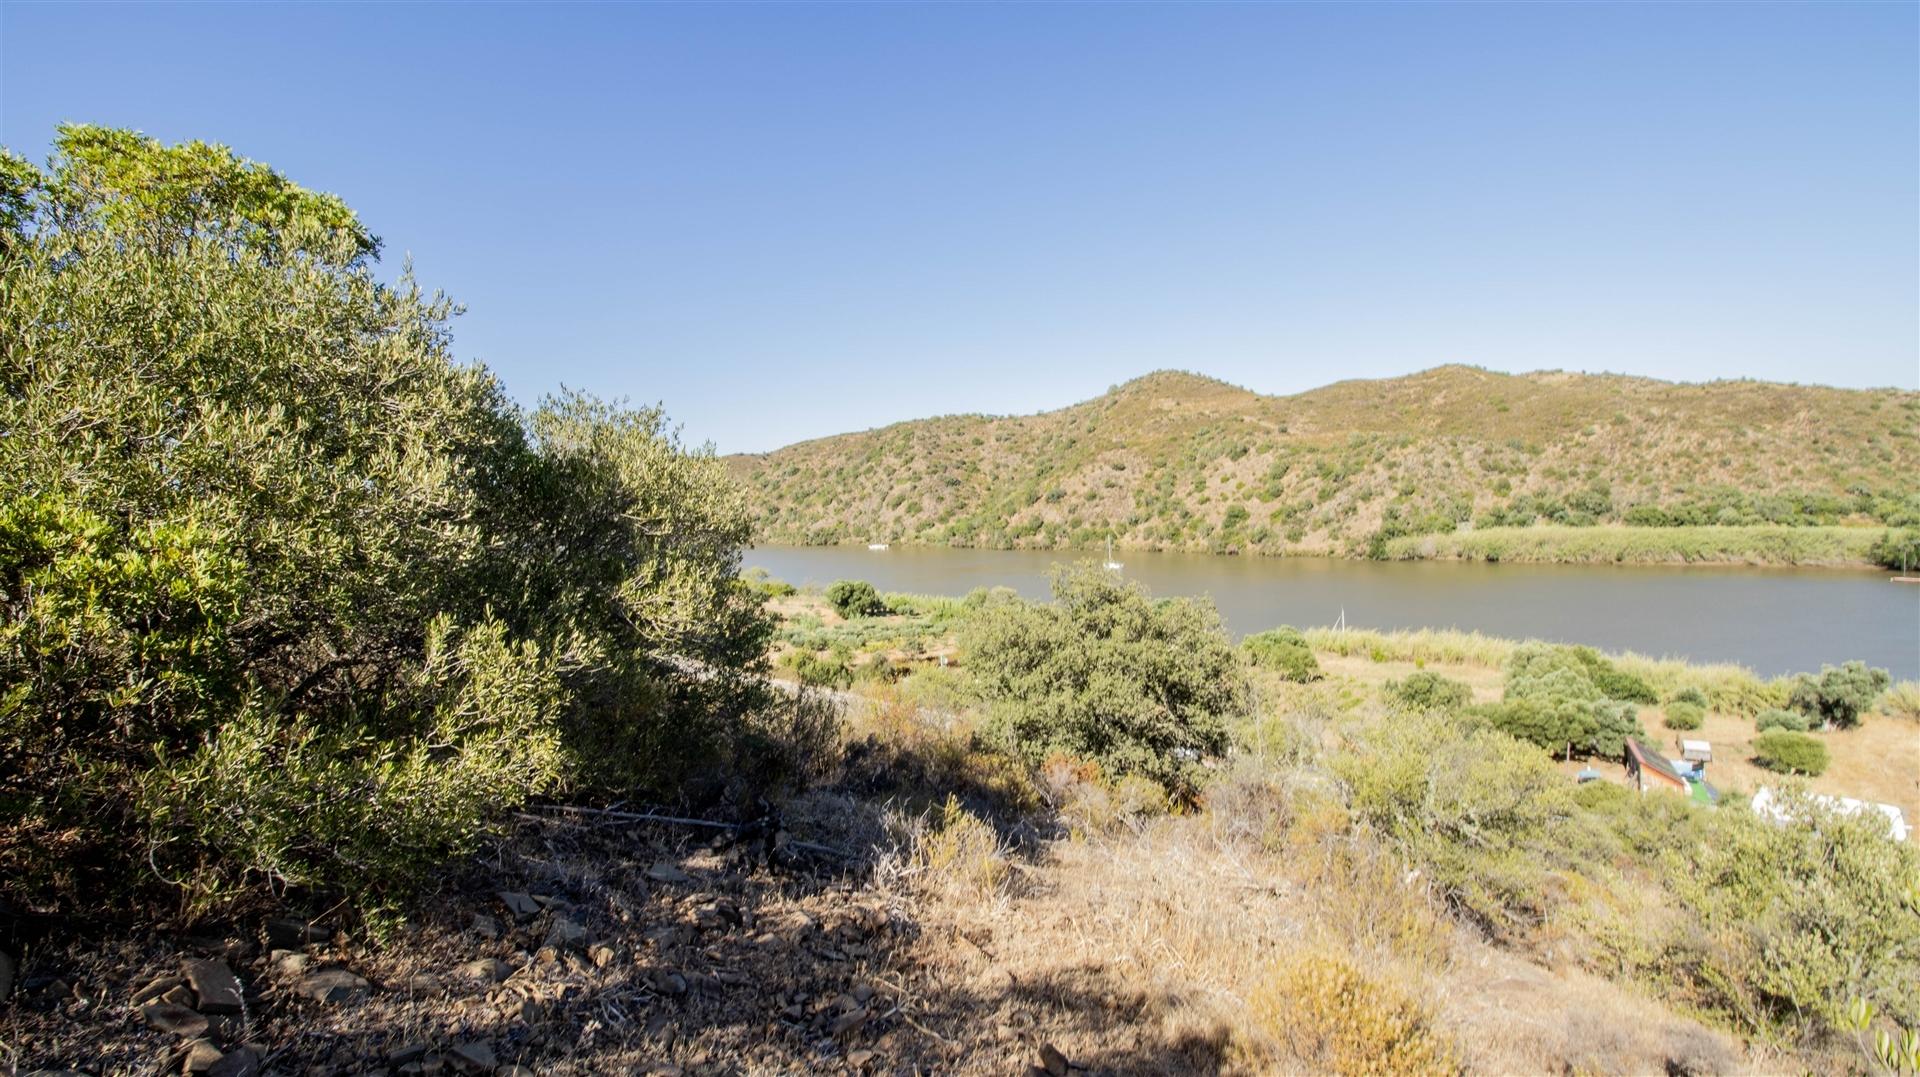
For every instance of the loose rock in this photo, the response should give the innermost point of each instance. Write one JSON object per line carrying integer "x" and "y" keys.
{"x": 242, "y": 1061}
{"x": 201, "y": 1056}
{"x": 664, "y": 872}
{"x": 178, "y": 1020}
{"x": 474, "y": 1057}
{"x": 522, "y": 906}
{"x": 332, "y": 985}
{"x": 214, "y": 984}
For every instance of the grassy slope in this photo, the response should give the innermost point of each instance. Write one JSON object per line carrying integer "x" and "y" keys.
{"x": 1177, "y": 461}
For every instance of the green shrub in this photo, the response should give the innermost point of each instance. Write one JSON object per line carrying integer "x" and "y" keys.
{"x": 286, "y": 594}
{"x": 1285, "y": 651}
{"x": 1474, "y": 805}
{"x": 1802, "y": 915}
{"x": 816, "y": 671}
{"x": 1552, "y": 701}
{"x": 1108, "y": 675}
{"x": 1684, "y": 716}
{"x": 1690, "y": 694}
{"x": 1424, "y": 691}
{"x": 1793, "y": 721}
{"x": 1790, "y": 753}
{"x": 1840, "y": 694}
{"x": 855, "y": 598}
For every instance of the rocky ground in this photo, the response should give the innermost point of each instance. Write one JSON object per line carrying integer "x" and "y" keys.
{"x": 575, "y": 946}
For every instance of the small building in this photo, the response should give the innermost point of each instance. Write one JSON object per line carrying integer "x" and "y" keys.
{"x": 1651, "y": 770}
{"x": 1696, "y": 751}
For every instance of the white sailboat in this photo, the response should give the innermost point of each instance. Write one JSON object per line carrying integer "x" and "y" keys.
{"x": 1111, "y": 565}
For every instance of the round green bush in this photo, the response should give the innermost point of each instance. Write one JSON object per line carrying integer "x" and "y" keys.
{"x": 855, "y": 598}
{"x": 1285, "y": 651}
{"x": 1790, "y": 753}
{"x": 1684, "y": 716}
{"x": 1793, "y": 721}
{"x": 1691, "y": 695}
{"x": 1424, "y": 691}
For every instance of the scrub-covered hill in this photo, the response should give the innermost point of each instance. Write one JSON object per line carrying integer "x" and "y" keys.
{"x": 1631, "y": 468}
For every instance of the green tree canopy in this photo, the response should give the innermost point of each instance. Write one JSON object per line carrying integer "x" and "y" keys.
{"x": 265, "y": 547}
{"x": 1107, "y": 674}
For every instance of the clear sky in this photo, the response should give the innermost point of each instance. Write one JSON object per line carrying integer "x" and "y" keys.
{"x": 785, "y": 221}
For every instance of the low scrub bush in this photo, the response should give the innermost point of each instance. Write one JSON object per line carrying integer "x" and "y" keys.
{"x": 1324, "y": 1012}
{"x": 1424, "y": 691}
{"x": 1684, "y": 716}
{"x": 1902, "y": 701}
{"x": 831, "y": 670}
{"x": 1790, "y": 753}
{"x": 1689, "y": 694}
{"x": 1792, "y": 721}
{"x": 1285, "y": 651}
{"x": 855, "y": 598}
{"x": 1476, "y": 806}
{"x": 1107, "y": 675}
{"x": 1839, "y": 695}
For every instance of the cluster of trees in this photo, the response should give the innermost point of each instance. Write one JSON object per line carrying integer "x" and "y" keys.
{"x": 290, "y": 598}
{"x": 1569, "y": 700}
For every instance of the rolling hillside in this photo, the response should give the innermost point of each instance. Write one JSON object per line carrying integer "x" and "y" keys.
{"x": 1176, "y": 461}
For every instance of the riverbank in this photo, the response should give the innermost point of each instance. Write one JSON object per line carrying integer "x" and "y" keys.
{"x": 1734, "y": 546}
{"x": 1810, "y": 547}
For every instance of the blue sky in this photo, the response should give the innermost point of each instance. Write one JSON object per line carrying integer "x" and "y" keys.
{"x": 785, "y": 221}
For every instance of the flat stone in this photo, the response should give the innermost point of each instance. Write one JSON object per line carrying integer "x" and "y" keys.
{"x": 290, "y": 963}
{"x": 664, "y": 872}
{"x": 178, "y": 1020}
{"x": 474, "y": 1057}
{"x": 407, "y": 1052}
{"x": 565, "y": 932}
{"x": 485, "y": 926}
{"x": 847, "y": 1022}
{"x": 861, "y": 1059}
{"x": 214, "y": 984}
{"x": 332, "y": 985}
{"x": 158, "y": 987}
{"x": 522, "y": 906}
{"x": 202, "y": 1055}
{"x": 242, "y": 1061}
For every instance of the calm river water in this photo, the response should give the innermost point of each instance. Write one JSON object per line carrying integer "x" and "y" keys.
{"x": 1771, "y": 620}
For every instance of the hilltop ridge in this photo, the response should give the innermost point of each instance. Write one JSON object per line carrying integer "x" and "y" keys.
{"x": 1181, "y": 461}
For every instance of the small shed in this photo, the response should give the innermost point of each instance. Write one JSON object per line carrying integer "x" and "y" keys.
{"x": 1648, "y": 769}
{"x": 1696, "y": 751}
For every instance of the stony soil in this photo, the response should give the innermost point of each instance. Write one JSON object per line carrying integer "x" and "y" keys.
{"x": 568, "y": 948}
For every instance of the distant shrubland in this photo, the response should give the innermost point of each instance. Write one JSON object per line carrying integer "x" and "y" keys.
{"x": 1452, "y": 462}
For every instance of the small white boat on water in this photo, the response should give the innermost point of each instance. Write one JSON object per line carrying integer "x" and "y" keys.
{"x": 1111, "y": 565}
{"x": 876, "y": 545}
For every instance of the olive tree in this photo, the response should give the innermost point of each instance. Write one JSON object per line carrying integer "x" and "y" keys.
{"x": 288, "y": 597}
{"x": 1107, "y": 674}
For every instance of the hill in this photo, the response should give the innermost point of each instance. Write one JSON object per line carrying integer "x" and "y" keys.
{"x": 1177, "y": 461}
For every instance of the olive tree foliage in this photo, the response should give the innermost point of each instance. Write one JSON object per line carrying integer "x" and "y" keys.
{"x": 287, "y": 596}
{"x": 1560, "y": 699}
{"x": 1107, "y": 674}
{"x": 1840, "y": 694}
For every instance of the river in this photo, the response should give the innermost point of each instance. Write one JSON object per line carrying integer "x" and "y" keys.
{"x": 1773, "y": 621}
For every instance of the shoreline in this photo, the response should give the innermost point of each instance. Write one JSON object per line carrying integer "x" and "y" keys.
{"x": 1747, "y": 546}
